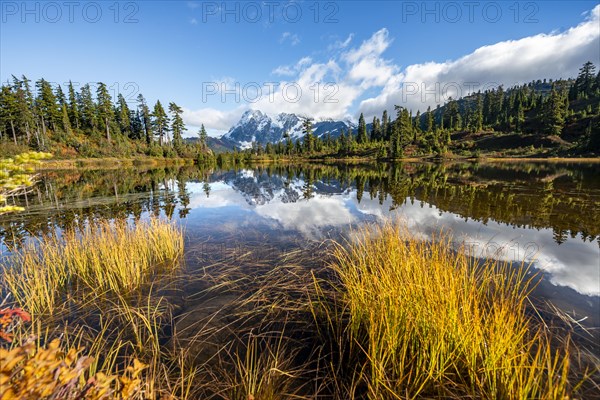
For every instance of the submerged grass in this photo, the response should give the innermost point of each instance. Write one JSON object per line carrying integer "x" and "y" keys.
{"x": 92, "y": 288}
{"x": 383, "y": 316}
{"x": 435, "y": 322}
{"x": 106, "y": 256}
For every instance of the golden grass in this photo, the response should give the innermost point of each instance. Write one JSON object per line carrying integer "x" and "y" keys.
{"x": 391, "y": 317}
{"x": 114, "y": 257}
{"x": 436, "y": 323}
{"x": 93, "y": 288}
{"x": 110, "y": 163}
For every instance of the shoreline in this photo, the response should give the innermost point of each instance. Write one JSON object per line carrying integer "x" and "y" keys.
{"x": 110, "y": 163}
{"x": 116, "y": 163}
{"x": 426, "y": 159}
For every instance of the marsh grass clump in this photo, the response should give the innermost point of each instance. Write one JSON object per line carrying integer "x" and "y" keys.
{"x": 433, "y": 322}
{"x": 103, "y": 257}
{"x": 98, "y": 314}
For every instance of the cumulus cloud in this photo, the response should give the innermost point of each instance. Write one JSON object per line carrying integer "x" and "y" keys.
{"x": 554, "y": 55}
{"x": 217, "y": 122}
{"x": 340, "y": 44}
{"x": 336, "y": 88}
{"x": 318, "y": 90}
{"x": 290, "y": 37}
{"x": 291, "y": 70}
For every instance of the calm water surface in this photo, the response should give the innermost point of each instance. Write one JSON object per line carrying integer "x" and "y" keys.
{"x": 547, "y": 214}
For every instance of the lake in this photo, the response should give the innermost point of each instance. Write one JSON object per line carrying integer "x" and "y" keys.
{"x": 544, "y": 214}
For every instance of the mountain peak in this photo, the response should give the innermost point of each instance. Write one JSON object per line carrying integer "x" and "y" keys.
{"x": 256, "y": 126}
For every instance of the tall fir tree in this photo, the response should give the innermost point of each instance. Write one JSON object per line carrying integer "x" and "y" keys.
{"x": 145, "y": 114}
{"x": 124, "y": 116}
{"x": 46, "y": 105}
{"x": 309, "y": 139}
{"x": 73, "y": 107}
{"x": 88, "y": 108}
{"x": 554, "y": 112}
{"x": 160, "y": 122}
{"x": 105, "y": 108}
{"x": 362, "y": 130}
{"x": 177, "y": 125}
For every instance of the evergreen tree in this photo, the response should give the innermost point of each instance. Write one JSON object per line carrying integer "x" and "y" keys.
{"x": 417, "y": 127}
{"x": 376, "y": 130}
{"x": 66, "y": 124}
{"x": 385, "y": 126}
{"x": 105, "y": 108}
{"x": 137, "y": 126}
{"x": 451, "y": 116}
{"x": 402, "y": 132}
{"x": 144, "y": 111}
{"x": 8, "y": 111}
{"x": 554, "y": 112}
{"x": 584, "y": 84}
{"x": 177, "y": 125}
{"x": 160, "y": 122}
{"x": 46, "y": 105}
{"x": 24, "y": 98}
{"x": 60, "y": 96}
{"x": 289, "y": 144}
{"x": 88, "y": 108}
{"x": 309, "y": 140}
{"x": 124, "y": 116}
{"x": 202, "y": 138}
{"x": 73, "y": 107}
{"x": 343, "y": 142}
{"x": 430, "y": 121}
{"x": 362, "y": 130}
{"x": 519, "y": 114}
{"x": 478, "y": 115}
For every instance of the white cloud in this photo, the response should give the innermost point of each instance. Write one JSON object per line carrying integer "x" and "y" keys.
{"x": 372, "y": 47}
{"x": 216, "y": 122}
{"x": 339, "y": 44}
{"x": 290, "y": 70}
{"x": 311, "y": 93}
{"x": 293, "y": 38}
{"x": 363, "y": 67}
{"x": 554, "y": 55}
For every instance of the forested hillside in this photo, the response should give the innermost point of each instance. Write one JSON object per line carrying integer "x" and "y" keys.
{"x": 541, "y": 118}
{"x": 86, "y": 124}
{"x": 546, "y": 118}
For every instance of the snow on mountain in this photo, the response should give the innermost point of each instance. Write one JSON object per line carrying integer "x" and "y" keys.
{"x": 256, "y": 126}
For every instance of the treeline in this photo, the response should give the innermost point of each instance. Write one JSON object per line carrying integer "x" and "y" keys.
{"x": 90, "y": 124}
{"x": 563, "y": 110}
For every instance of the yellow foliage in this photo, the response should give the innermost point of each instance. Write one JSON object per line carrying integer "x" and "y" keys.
{"x": 15, "y": 176}
{"x": 28, "y": 373}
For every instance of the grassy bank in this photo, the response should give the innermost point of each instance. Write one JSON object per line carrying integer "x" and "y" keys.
{"x": 112, "y": 163}
{"x": 383, "y": 316}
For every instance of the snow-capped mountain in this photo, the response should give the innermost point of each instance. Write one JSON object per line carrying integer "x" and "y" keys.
{"x": 256, "y": 126}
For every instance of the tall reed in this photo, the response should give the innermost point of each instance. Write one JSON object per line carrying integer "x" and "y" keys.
{"x": 106, "y": 256}
{"x": 435, "y": 322}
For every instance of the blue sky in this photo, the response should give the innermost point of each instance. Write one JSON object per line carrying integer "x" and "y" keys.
{"x": 371, "y": 54}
